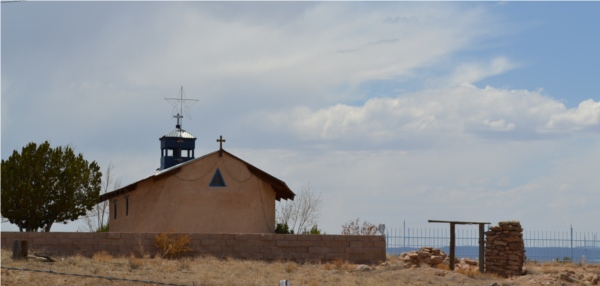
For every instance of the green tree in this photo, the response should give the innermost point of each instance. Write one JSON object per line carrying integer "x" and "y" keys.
{"x": 44, "y": 185}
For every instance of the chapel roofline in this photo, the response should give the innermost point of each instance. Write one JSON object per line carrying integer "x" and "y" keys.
{"x": 282, "y": 191}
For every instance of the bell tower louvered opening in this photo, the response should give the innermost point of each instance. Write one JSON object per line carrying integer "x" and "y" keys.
{"x": 176, "y": 147}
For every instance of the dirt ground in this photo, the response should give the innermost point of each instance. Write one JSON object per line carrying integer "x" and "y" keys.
{"x": 103, "y": 269}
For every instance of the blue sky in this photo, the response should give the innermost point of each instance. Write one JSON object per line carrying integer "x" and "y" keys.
{"x": 393, "y": 111}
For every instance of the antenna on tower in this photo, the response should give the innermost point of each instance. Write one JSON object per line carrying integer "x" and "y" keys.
{"x": 180, "y": 105}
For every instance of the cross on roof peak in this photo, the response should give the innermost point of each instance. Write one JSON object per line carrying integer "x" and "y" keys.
{"x": 221, "y": 140}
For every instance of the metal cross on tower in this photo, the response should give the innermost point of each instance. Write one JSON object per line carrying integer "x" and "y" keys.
{"x": 180, "y": 103}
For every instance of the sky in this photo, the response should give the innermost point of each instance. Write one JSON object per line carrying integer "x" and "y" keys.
{"x": 394, "y": 112}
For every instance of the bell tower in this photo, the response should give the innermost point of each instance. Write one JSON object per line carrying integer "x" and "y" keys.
{"x": 178, "y": 145}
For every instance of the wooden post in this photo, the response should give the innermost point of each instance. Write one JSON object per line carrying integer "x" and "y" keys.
{"x": 481, "y": 248}
{"x": 452, "y": 245}
{"x": 20, "y": 249}
{"x": 25, "y": 249}
{"x": 16, "y": 255}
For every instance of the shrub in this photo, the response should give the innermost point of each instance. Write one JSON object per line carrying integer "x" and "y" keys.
{"x": 313, "y": 230}
{"x": 566, "y": 260}
{"x": 354, "y": 227}
{"x": 135, "y": 263}
{"x": 102, "y": 228}
{"x": 342, "y": 265}
{"x": 172, "y": 245}
{"x": 102, "y": 256}
{"x": 282, "y": 228}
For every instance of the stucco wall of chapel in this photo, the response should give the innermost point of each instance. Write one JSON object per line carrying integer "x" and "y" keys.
{"x": 183, "y": 201}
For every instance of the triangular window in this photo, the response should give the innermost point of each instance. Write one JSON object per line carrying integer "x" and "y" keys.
{"x": 217, "y": 180}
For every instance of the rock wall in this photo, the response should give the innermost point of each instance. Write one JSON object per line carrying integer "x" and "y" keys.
{"x": 505, "y": 249}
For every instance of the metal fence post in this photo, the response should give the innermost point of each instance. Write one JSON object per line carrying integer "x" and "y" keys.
{"x": 404, "y": 234}
{"x": 572, "y": 244}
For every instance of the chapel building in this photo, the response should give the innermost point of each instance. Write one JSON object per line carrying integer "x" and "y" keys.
{"x": 215, "y": 193}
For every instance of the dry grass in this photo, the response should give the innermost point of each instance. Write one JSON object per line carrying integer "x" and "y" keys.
{"x": 135, "y": 263}
{"x": 470, "y": 272}
{"x": 214, "y": 271}
{"x": 291, "y": 267}
{"x": 172, "y": 245}
{"x": 535, "y": 268}
{"x": 102, "y": 256}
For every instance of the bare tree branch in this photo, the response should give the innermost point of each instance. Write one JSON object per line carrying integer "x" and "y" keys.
{"x": 303, "y": 212}
{"x": 97, "y": 217}
{"x": 353, "y": 227}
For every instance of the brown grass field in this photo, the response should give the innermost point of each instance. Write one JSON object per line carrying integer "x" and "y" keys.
{"x": 214, "y": 271}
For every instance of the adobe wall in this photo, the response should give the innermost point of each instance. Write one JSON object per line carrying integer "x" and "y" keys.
{"x": 183, "y": 201}
{"x": 294, "y": 247}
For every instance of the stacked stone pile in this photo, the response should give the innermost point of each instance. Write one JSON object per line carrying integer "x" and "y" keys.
{"x": 505, "y": 249}
{"x": 433, "y": 257}
{"x": 424, "y": 256}
{"x": 464, "y": 263}
{"x": 580, "y": 278}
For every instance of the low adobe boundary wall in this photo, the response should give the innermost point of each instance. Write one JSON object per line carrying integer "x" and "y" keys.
{"x": 294, "y": 247}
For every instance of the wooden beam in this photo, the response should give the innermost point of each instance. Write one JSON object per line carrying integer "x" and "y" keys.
{"x": 481, "y": 248}
{"x": 458, "y": 222}
{"x": 452, "y": 245}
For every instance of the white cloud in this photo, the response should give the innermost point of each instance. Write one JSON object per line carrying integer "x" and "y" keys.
{"x": 474, "y": 72}
{"x": 586, "y": 115}
{"x": 499, "y": 125}
{"x": 226, "y": 52}
{"x": 204, "y": 47}
{"x": 466, "y": 110}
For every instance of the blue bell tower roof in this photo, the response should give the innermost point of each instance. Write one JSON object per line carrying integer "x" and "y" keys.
{"x": 180, "y": 133}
